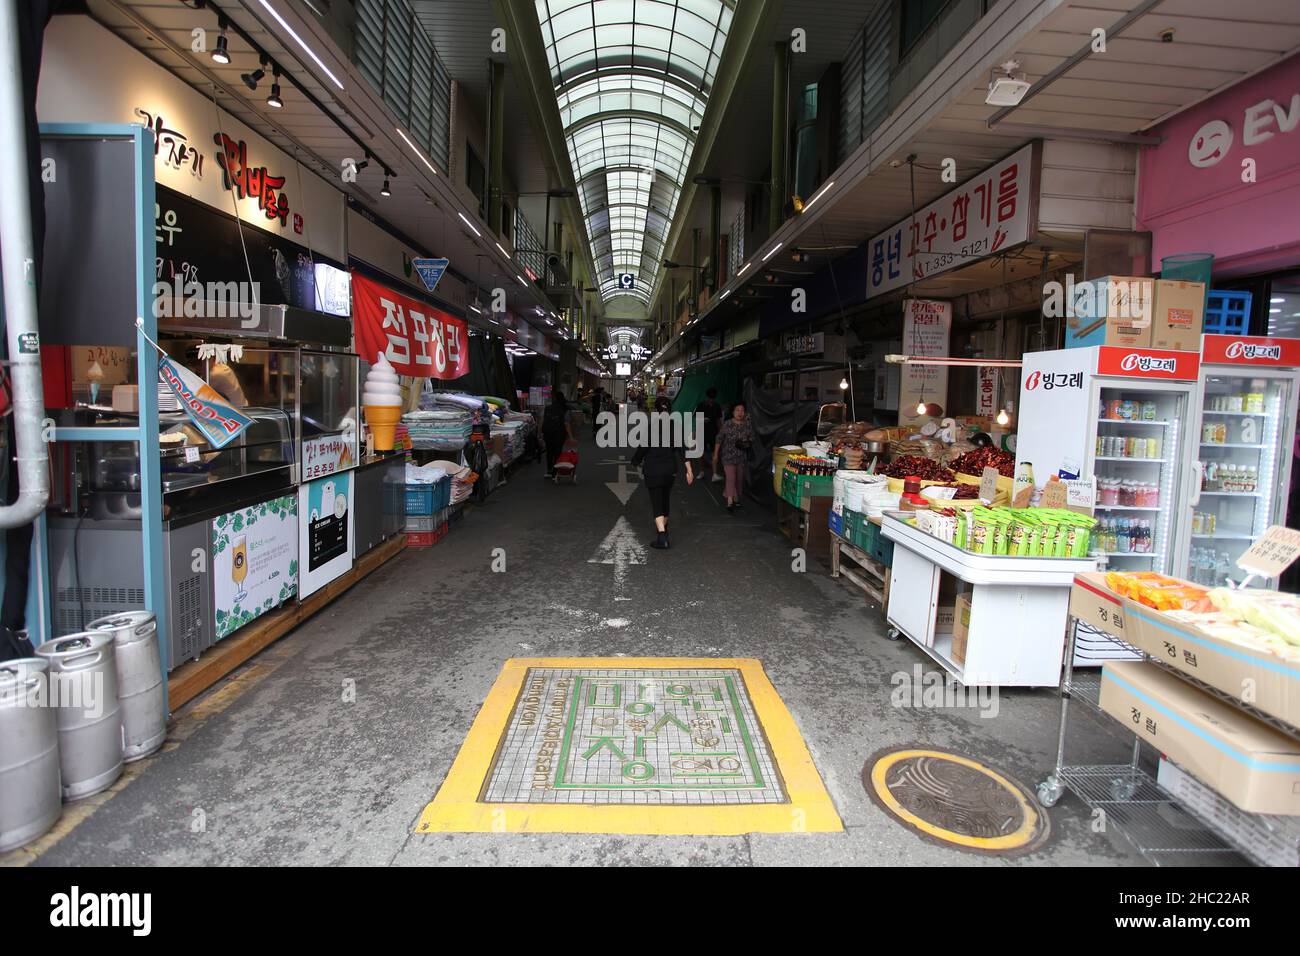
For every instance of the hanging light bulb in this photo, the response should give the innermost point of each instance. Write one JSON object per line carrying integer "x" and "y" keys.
{"x": 920, "y": 408}
{"x": 844, "y": 384}
{"x": 1003, "y": 417}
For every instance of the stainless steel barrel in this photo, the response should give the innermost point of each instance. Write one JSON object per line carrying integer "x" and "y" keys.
{"x": 139, "y": 680}
{"x": 83, "y": 688}
{"x": 30, "y": 801}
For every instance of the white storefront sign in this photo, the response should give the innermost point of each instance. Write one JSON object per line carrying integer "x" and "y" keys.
{"x": 927, "y": 326}
{"x": 987, "y": 214}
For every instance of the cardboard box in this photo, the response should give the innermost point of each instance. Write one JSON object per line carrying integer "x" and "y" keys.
{"x": 1178, "y": 315}
{"x": 944, "y": 618}
{"x": 1257, "y": 677}
{"x": 1110, "y": 310}
{"x": 961, "y": 629}
{"x": 1093, "y": 603}
{"x": 1254, "y": 766}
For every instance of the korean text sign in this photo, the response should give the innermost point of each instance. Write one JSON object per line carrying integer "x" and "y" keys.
{"x": 987, "y": 214}
{"x": 418, "y": 339}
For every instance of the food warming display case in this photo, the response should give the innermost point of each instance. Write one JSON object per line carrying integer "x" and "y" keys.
{"x": 1239, "y": 456}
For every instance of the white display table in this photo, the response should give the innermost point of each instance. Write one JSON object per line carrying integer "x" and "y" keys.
{"x": 1019, "y": 607}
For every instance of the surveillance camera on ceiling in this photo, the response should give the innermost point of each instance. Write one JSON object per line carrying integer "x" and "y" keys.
{"x": 1007, "y": 86}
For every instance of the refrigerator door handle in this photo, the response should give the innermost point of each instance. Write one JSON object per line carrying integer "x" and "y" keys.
{"x": 1199, "y": 468}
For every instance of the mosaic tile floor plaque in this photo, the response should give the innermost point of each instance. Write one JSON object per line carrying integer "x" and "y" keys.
{"x": 624, "y": 745}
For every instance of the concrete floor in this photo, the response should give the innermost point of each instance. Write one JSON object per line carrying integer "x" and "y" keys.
{"x": 281, "y": 770}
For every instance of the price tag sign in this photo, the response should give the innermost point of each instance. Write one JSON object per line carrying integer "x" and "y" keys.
{"x": 191, "y": 454}
{"x": 1081, "y": 495}
{"x": 989, "y": 484}
{"x": 1274, "y": 552}
{"x": 1055, "y": 495}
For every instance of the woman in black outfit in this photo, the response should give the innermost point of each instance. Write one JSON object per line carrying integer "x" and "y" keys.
{"x": 555, "y": 429}
{"x": 659, "y": 468}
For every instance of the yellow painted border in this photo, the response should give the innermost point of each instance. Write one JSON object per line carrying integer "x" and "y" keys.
{"x": 456, "y": 808}
{"x": 1012, "y": 841}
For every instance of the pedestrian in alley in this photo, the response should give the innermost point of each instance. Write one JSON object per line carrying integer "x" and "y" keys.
{"x": 659, "y": 468}
{"x": 734, "y": 446}
{"x": 597, "y": 406}
{"x": 556, "y": 429}
{"x": 712, "y": 413}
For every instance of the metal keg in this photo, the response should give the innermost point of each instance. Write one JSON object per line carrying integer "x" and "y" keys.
{"x": 83, "y": 688}
{"x": 30, "y": 801}
{"x": 139, "y": 680}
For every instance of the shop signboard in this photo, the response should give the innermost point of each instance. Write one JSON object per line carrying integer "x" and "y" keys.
{"x": 1053, "y": 413}
{"x": 812, "y": 343}
{"x": 1225, "y": 179}
{"x": 325, "y": 533}
{"x": 254, "y": 561}
{"x": 419, "y": 340}
{"x": 1250, "y": 351}
{"x": 989, "y": 213}
{"x": 986, "y": 391}
{"x": 326, "y": 455}
{"x": 88, "y": 74}
{"x": 1152, "y": 364}
{"x": 927, "y": 326}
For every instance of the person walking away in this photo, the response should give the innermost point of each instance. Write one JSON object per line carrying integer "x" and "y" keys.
{"x": 712, "y": 413}
{"x": 556, "y": 430}
{"x": 597, "y": 405}
{"x": 735, "y": 442}
{"x": 659, "y": 469}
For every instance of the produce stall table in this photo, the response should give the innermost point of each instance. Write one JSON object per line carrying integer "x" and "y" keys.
{"x": 1018, "y": 611}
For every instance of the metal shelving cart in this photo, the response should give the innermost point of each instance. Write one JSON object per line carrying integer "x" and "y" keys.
{"x": 1194, "y": 828}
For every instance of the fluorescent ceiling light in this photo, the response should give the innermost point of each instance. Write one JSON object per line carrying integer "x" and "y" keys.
{"x": 820, "y": 193}
{"x": 416, "y": 150}
{"x": 772, "y": 251}
{"x": 302, "y": 43}
{"x": 521, "y": 281}
{"x": 742, "y": 269}
{"x": 470, "y": 224}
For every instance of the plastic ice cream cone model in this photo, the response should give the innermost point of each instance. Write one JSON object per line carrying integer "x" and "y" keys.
{"x": 94, "y": 375}
{"x": 381, "y": 397}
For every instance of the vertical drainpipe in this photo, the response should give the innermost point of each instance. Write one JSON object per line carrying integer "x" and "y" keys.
{"x": 780, "y": 132}
{"x": 715, "y": 244}
{"x": 496, "y": 147}
{"x": 18, "y": 252}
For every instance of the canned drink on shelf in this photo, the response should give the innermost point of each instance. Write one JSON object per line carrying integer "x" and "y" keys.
{"x": 1198, "y": 523}
{"x": 1148, "y": 411}
{"x": 1113, "y": 408}
{"x": 1221, "y": 433}
{"x": 1153, "y": 447}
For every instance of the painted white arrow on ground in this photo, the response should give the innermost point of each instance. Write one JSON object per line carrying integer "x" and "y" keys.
{"x": 620, "y": 548}
{"x": 622, "y": 488}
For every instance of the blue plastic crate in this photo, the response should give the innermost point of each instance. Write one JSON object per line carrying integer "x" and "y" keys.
{"x": 1227, "y": 312}
{"x": 420, "y": 499}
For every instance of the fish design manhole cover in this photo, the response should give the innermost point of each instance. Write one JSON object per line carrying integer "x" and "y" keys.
{"x": 955, "y": 800}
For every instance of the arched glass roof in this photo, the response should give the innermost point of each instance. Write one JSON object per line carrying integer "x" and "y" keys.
{"x": 631, "y": 78}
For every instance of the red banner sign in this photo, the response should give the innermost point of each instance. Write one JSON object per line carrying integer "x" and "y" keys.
{"x": 418, "y": 339}
{"x": 1250, "y": 350}
{"x": 1148, "y": 363}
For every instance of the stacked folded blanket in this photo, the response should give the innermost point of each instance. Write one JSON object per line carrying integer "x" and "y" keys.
{"x": 439, "y": 429}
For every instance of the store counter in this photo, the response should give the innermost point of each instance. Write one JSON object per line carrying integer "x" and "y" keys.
{"x": 1007, "y": 623}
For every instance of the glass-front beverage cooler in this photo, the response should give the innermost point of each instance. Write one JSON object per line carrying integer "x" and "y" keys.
{"x": 1241, "y": 452}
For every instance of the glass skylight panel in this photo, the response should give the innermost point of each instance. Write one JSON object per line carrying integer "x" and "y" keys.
{"x": 632, "y": 79}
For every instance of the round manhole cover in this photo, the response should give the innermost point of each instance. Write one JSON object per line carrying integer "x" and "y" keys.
{"x": 955, "y": 800}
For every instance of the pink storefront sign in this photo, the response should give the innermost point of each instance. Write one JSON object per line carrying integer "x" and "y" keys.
{"x": 1226, "y": 178}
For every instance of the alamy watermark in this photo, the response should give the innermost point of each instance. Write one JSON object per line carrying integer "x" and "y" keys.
{"x": 191, "y": 299}
{"x": 1113, "y": 297}
{"x": 633, "y": 428}
{"x": 77, "y": 690}
{"x": 934, "y": 690}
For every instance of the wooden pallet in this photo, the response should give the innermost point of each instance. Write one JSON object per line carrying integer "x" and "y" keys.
{"x": 870, "y": 576}
{"x": 194, "y": 677}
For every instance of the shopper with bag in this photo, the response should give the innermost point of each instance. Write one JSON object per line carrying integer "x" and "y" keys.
{"x": 735, "y": 444}
{"x": 556, "y": 430}
{"x": 659, "y": 468}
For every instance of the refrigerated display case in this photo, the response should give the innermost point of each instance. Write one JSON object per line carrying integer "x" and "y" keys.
{"x": 1239, "y": 458}
{"x": 1120, "y": 416}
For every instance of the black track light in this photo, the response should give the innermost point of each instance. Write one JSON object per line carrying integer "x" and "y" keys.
{"x": 274, "y": 100}
{"x": 252, "y": 79}
{"x": 385, "y": 191}
{"x": 222, "y": 52}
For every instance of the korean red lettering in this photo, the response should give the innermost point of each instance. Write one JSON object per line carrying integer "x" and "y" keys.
{"x": 1008, "y": 189}
{"x": 233, "y": 160}
{"x": 960, "y": 207}
{"x": 985, "y": 192}
{"x": 399, "y": 345}
{"x": 931, "y": 230}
